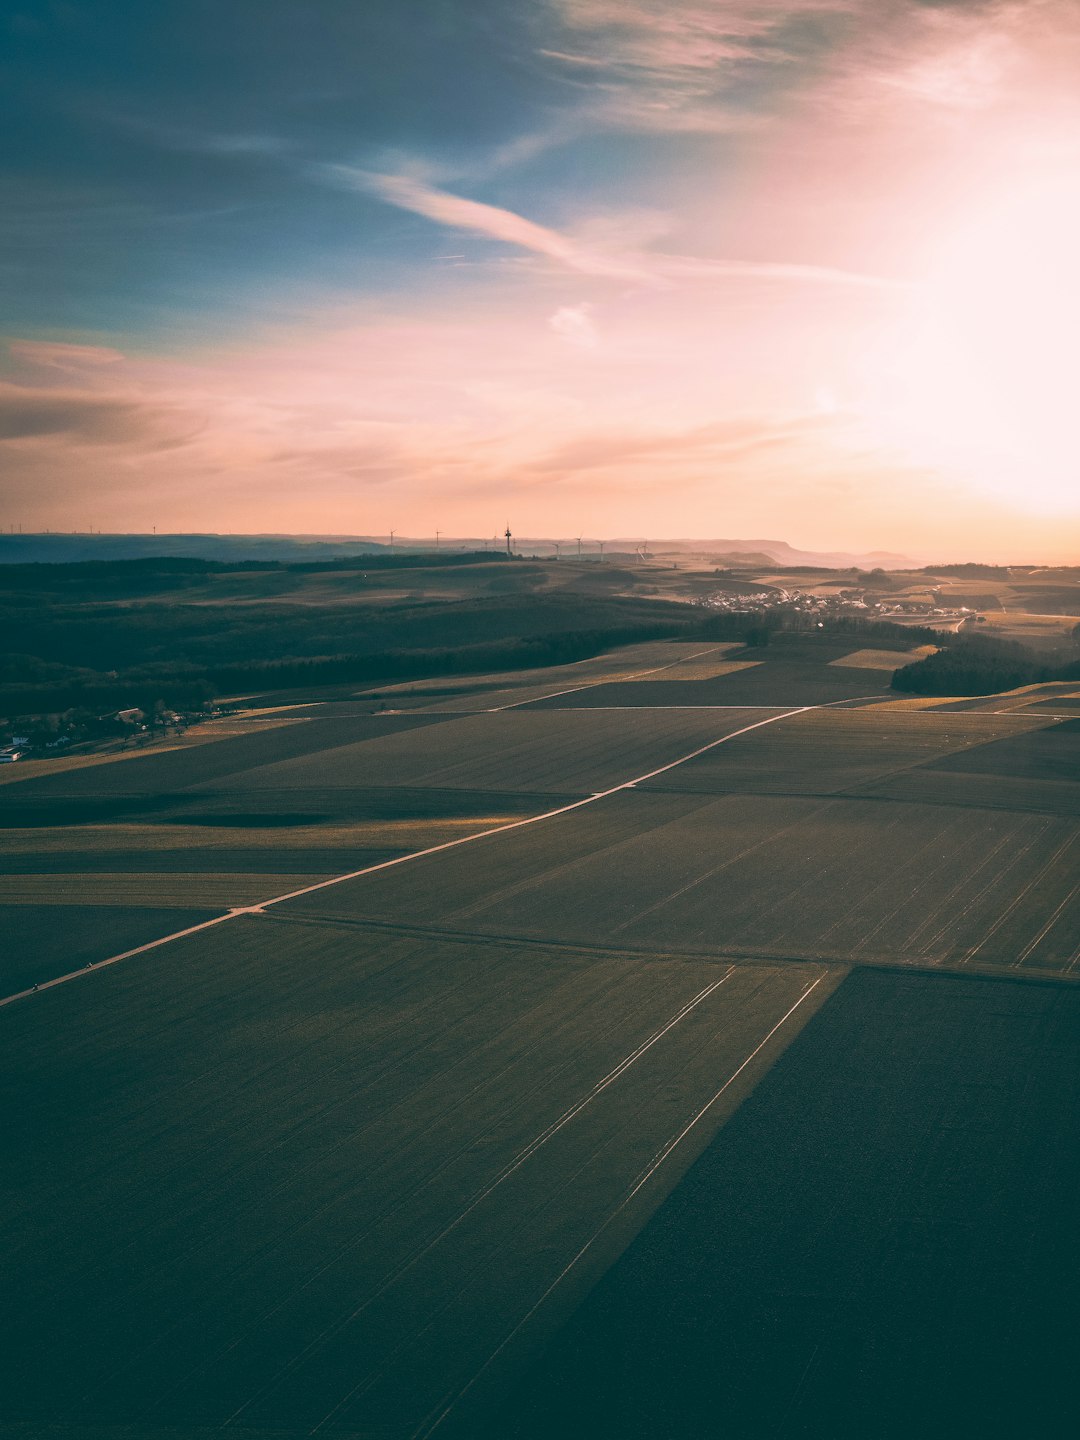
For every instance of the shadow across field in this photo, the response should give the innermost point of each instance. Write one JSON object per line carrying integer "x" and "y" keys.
{"x": 881, "y": 1243}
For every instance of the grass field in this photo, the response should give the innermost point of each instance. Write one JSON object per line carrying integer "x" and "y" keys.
{"x": 788, "y": 672}
{"x": 884, "y": 1246}
{"x": 823, "y": 835}
{"x": 889, "y": 660}
{"x": 826, "y": 752}
{"x": 43, "y": 941}
{"x": 759, "y": 876}
{"x": 563, "y": 753}
{"x": 346, "y": 1163}
{"x": 291, "y": 1174}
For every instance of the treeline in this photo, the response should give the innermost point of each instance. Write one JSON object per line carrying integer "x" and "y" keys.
{"x": 30, "y": 686}
{"x": 184, "y": 688}
{"x": 969, "y": 571}
{"x": 526, "y": 653}
{"x": 139, "y": 676}
{"x": 758, "y": 627}
{"x": 61, "y": 577}
{"x": 891, "y": 635}
{"x": 979, "y": 665}
{"x": 100, "y": 695}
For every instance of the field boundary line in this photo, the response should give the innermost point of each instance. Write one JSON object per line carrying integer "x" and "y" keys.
{"x": 430, "y": 1424}
{"x": 263, "y": 905}
{"x": 730, "y": 954}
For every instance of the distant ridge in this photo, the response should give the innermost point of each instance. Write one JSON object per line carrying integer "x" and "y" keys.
{"x": 60, "y": 549}
{"x": 783, "y": 554}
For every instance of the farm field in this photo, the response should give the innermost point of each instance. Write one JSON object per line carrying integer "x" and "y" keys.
{"x": 818, "y": 836}
{"x": 42, "y": 941}
{"x": 284, "y": 1174}
{"x": 223, "y": 824}
{"x": 787, "y": 672}
{"x": 156, "y": 773}
{"x": 1043, "y": 631}
{"x": 881, "y": 1247}
{"x": 349, "y": 1161}
{"x": 815, "y": 836}
{"x": 801, "y": 877}
{"x": 565, "y": 753}
{"x": 889, "y": 660}
{"x": 156, "y": 841}
{"x": 832, "y": 751}
{"x": 648, "y": 659}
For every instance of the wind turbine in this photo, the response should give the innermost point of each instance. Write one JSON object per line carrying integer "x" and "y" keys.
{"x": 579, "y": 547}
{"x": 509, "y": 537}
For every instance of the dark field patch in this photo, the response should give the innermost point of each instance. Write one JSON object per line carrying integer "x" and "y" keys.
{"x": 825, "y": 752}
{"x": 520, "y": 750}
{"x": 280, "y": 861}
{"x": 769, "y": 684}
{"x": 881, "y": 1242}
{"x": 172, "y": 770}
{"x": 280, "y": 1174}
{"x": 1049, "y": 754}
{"x": 43, "y": 941}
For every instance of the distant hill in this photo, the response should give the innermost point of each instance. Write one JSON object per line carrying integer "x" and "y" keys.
{"x": 781, "y": 553}
{"x": 59, "y": 549}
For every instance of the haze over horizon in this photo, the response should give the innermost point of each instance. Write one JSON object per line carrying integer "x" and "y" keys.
{"x": 604, "y": 267}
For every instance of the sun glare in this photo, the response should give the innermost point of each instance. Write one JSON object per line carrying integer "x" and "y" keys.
{"x": 981, "y": 378}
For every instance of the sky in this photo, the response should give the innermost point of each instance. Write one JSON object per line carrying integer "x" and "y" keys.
{"x": 797, "y": 269}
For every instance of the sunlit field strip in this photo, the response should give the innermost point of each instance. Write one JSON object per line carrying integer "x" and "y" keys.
{"x": 694, "y": 670}
{"x": 197, "y": 736}
{"x": 122, "y": 837}
{"x": 882, "y": 659}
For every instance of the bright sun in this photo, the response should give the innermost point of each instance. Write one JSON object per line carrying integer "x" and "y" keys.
{"x": 982, "y": 379}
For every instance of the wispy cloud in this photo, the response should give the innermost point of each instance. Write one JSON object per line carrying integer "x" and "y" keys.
{"x": 647, "y": 267}
{"x": 62, "y": 355}
{"x": 677, "y": 64}
{"x": 684, "y": 65}
{"x": 458, "y": 213}
{"x": 726, "y": 438}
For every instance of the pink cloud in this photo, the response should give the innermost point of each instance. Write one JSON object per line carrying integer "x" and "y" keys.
{"x": 62, "y": 356}
{"x": 88, "y": 417}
